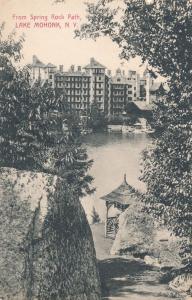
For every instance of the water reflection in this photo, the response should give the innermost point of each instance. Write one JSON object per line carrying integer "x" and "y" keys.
{"x": 102, "y": 139}
{"x": 114, "y": 154}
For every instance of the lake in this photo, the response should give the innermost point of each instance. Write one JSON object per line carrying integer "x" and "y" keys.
{"x": 114, "y": 155}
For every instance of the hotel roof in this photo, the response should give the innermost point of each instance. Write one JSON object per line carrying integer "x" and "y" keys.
{"x": 50, "y": 65}
{"x": 94, "y": 64}
{"x": 37, "y": 62}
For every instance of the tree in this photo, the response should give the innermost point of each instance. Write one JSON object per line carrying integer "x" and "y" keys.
{"x": 160, "y": 33}
{"x": 95, "y": 216}
{"x": 37, "y": 135}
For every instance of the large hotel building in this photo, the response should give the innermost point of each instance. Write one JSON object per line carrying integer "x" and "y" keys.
{"x": 80, "y": 87}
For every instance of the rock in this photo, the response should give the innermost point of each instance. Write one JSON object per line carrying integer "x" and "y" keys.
{"x": 182, "y": 283}
{"x": 140, "y": 237}
{"x": 136, "y": 230}
{"x": 166, "y": 247}
{"x": 46, "y": 248}
{"x": 153, "y": 261}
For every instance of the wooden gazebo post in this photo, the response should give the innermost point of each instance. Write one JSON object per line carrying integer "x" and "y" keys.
{"x": 106, "y": 218}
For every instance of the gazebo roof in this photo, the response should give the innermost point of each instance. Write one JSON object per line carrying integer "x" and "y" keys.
{"x": 124, "y": 195}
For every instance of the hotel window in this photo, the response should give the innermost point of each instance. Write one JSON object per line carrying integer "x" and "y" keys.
{"x": 129, "y": 92}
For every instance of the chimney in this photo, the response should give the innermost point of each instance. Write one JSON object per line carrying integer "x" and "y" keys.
{"x": 92, "y": 60}
{"x": 61, "y": 68}
{"x": 79, "y": 68}
{"x": 109, "y": 72}
{"x": 123, "y": 73}
{"x": 72, "y": 68}
{"x": 118, "y": 71}
{"x": 34, "y": 59}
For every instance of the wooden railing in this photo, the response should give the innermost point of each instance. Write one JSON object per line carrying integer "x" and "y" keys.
{"x": 112, "y": 227}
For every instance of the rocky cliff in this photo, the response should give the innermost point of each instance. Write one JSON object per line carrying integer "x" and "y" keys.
{"x": 46, "y": 249}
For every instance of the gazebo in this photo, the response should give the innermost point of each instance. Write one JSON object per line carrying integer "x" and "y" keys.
{"x": 119, "y": 198}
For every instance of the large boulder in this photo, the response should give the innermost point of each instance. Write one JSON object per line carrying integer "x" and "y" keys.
{"x": 136, "y": 232}
{"x": 141, "y": 237}
{"x": 46, "y": 249}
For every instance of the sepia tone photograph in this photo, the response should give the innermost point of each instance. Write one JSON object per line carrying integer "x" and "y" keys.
{"x": 95, "y": 149}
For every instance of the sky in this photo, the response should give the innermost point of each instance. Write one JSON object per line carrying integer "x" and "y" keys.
{"x": 56, "y": 45}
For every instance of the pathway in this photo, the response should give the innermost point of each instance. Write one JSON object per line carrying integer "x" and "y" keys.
{"x": 126, "y": 278}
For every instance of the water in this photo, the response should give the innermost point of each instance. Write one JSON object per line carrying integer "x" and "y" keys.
{"x": 121, "y": 278}
{"x": 114, "y": 154}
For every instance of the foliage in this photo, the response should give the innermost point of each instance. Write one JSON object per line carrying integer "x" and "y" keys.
{"x": 161, "y": 35}
{"x": 36, "y": 132}
{"x": 158, "y": 33}
{"x": 95, "y": 216}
